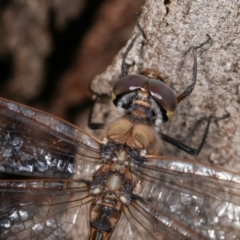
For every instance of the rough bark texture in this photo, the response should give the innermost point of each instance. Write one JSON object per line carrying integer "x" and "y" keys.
{"x": 172, "y": 28}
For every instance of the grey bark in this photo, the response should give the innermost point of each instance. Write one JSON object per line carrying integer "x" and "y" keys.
{"x": 171, "y": 30}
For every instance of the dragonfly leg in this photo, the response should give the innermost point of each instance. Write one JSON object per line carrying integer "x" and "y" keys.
{"x": 124, "y": 67}
{"x": 190, "y": 88}
{"x": 184, "y": 147}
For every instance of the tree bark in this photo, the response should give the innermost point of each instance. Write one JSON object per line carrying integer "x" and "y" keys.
{"x": 172, "y": 29}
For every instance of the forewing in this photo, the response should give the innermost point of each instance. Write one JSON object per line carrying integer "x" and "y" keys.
{"x": 44, "y": 209}
{"x": 196, "y": 197}
{"x": 37, "y": 144}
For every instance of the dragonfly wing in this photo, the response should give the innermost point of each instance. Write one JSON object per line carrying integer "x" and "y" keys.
{"x": 201, "y": 198}
{"x": 37, "y": 144}
{"x": 44, "y": 209}
{"x": 129, "y": 227}
{"x": 142, "y": 221}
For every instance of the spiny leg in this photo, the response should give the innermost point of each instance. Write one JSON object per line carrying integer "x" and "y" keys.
{"x": 190, "y": 88}
{"x": 190, "y": 150}
{"x": 185, "y": 93}
{"x": 124, "y": 67}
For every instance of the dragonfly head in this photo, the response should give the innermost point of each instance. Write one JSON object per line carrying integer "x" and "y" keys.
{"x": 145, "y": 92}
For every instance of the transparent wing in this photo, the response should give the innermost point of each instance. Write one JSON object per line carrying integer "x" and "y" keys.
{"x": 143, "y": 221}
{"x": 44, "y": 209}
{"x": 186, "y": 198}
{"x": 37, "y": 144}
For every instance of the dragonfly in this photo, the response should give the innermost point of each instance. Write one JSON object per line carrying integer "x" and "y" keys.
{"x": 77, "y": 186}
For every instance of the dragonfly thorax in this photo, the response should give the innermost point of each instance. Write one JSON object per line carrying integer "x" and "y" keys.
{"x": 134, "y": 134}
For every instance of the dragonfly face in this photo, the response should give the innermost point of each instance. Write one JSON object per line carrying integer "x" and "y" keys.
{"x": 145, "y": 90}
{"x": 114, "y": 188}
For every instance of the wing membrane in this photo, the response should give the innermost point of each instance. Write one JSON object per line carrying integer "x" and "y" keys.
{"x": 44, "y": 209}
{"x": 143, "y": 221}
{"x": 37, "y": 144}
{"x": 202, "y": 198}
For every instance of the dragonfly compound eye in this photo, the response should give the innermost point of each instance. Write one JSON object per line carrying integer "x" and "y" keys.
{"x": 127, "y": 84}
{"x": 163, "y": 95}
